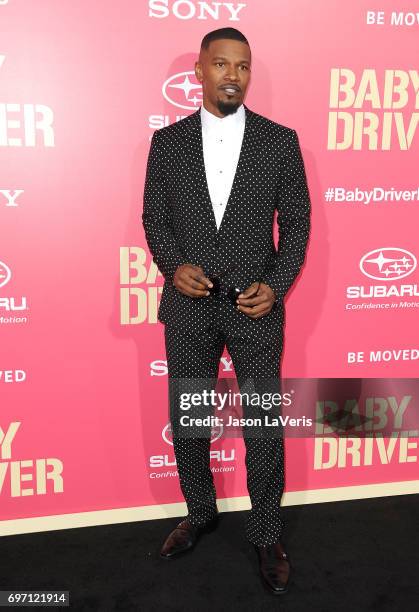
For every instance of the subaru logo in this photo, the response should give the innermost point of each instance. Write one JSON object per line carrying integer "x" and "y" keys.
{"x": 183, "y": 90}
{"x": 388, "y": 263}
{"x": 216, "y": 433}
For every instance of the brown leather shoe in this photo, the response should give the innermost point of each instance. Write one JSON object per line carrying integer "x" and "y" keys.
{"x": 274, "y": 567}
{"x": 184, "y": 537}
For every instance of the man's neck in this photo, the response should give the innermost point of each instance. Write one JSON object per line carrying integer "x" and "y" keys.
{"x": 216, "y": 112}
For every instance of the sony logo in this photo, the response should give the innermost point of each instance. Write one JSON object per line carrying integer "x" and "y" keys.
{"x": 186, "y": 9}
{"x": 159, "y": 366}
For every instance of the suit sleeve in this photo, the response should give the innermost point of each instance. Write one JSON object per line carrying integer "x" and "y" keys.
{"x": 293, "y": 205}
{"x": 157, "y": 215}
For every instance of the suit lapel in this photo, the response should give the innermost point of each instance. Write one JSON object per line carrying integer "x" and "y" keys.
{"x": 249, "y": 149}
{"x": 194, "y": 147}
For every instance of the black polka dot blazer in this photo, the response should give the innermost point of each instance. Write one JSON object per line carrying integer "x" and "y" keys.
{"x": 180, "y": 226}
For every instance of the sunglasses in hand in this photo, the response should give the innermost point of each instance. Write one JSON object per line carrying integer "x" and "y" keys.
{"x": 231, "y": 292}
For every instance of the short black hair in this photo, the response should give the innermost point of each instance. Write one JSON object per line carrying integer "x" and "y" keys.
{"x": 229, "y": 33}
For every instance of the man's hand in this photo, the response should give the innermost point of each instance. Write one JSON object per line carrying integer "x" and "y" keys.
{"x": 262, "y": 301}
{"x": 190, "y": 280}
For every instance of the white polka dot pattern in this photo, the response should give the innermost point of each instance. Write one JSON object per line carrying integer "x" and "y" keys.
{"x": 196, "y": 357}
{"x": 180, "y": 226}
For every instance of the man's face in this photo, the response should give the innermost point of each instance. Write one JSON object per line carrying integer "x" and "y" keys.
{"x": 224, "y": 71}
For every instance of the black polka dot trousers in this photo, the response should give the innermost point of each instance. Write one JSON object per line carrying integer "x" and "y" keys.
{"x": 195, "y": 357}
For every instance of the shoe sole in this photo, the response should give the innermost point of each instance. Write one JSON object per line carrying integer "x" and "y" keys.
{"x": 178, "y": 554}
{"x": 271, "y": 590}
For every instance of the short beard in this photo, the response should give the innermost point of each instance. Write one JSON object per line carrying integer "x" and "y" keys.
{"x": 227, "y": 108}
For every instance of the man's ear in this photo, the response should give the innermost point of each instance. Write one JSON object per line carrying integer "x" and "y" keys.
{"x": 198, "y": 71}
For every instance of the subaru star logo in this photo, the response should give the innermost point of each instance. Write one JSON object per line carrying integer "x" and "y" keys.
{"x": 216, "y": 433}
{"x": 183, "y": 90}
{"x": 5, "y": 274}
{"x": 388, "y": 263}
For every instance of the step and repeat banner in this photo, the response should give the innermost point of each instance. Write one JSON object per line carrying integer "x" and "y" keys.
{"x": 83, "y": 376}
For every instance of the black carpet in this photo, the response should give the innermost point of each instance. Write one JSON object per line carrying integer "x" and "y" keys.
{"x": 346, "y": 556}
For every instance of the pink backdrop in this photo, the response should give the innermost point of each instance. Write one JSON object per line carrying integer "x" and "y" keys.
{"x": 82, "y": 372}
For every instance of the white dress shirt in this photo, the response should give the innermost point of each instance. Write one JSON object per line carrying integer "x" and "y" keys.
{"x": 221, "y": 140}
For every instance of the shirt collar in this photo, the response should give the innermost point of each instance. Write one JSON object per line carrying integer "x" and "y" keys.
{"x": 234, "y": 121}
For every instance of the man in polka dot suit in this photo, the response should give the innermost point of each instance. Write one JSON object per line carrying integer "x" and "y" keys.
{"x": 213, "y": 183}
